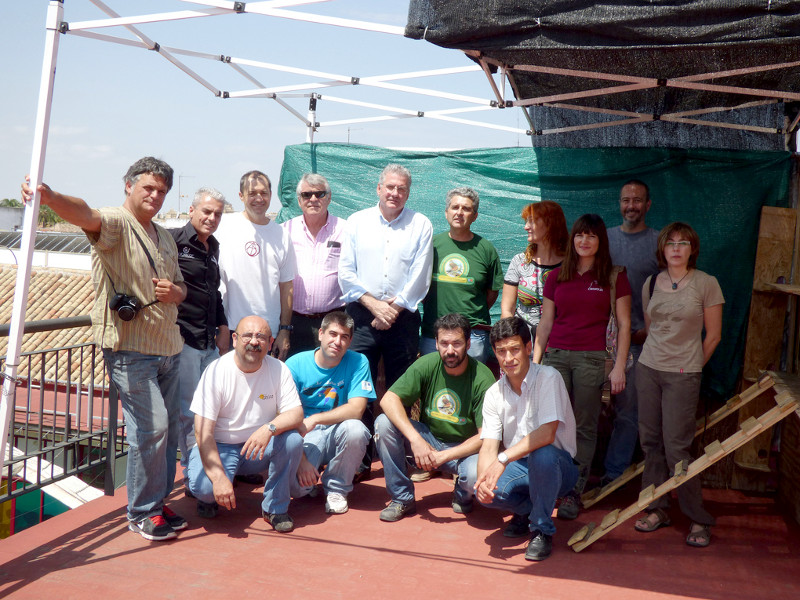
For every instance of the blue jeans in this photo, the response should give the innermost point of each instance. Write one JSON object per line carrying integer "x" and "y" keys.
{"x": 393, "y": 448}
{"x": 280, "y": 460}
{"x": 532, "y": 484}
{"x": 479, "y": 346}
{"x": 193, "y": 363}
{"x": 148, "y": 391}
{"x": 626, "y": 424}
{"x": 340, "y": 448}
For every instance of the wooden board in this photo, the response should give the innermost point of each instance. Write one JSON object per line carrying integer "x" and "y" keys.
{"x": 737, "y": 403}
{"x": 768, "y": 310}
{"x": 785, "y": 404}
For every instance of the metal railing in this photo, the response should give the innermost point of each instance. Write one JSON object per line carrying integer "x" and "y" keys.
{"x": 65, "y": 419}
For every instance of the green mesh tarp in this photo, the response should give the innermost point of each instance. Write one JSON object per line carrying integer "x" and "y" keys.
{"x": 720, "y": 193}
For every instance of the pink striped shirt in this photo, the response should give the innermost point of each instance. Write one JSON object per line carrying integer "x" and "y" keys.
{"x": 316, "y": 285}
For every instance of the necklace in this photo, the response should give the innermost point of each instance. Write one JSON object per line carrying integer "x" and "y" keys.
{"x": 675, "y": 283}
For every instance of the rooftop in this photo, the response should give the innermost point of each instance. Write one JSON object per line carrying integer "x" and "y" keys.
{"x": 433, "y": 554}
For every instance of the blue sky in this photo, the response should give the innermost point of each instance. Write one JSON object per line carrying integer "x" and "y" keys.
{"x": 113, "y": 103}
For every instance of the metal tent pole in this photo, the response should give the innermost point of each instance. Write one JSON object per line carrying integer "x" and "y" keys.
{"x": 312, "y": 118}
{"x": 55, "y": 12}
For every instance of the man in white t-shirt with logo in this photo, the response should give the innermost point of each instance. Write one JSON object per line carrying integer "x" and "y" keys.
{"x": 246, "y": 413}
{"x": 257, "y": 263}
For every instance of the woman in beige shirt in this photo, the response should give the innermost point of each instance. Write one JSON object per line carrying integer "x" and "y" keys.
{"x": 677, "y": 307}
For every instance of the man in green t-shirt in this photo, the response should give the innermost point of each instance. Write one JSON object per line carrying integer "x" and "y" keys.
{"x": 466, "y": 276}
{"x": 450, "y": 386}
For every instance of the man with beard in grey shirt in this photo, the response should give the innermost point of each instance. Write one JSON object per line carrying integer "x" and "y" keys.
{"x": 633, "y": 245}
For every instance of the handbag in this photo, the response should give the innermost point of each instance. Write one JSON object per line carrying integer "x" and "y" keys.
{"x": 612, "y": 332}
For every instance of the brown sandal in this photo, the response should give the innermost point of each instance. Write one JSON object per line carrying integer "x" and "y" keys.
{"x": 699, "y": 538}
{"x": 646, "y": 526}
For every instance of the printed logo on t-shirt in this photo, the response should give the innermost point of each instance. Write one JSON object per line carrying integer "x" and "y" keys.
{"x": 446, "y": 406}
{"x": 454, "y": 268}
{"x": 595, "y": 286}
{"x": 252, "y": 248}
{"x": 366, "y": 386}
{"x": 186, "y": 252}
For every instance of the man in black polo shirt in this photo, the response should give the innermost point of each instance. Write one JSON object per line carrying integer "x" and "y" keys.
{"x": 201, "y": 317}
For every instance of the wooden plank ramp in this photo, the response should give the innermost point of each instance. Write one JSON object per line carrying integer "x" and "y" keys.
{"x": 733, "y": 405}
{"x": 787, "y": 401}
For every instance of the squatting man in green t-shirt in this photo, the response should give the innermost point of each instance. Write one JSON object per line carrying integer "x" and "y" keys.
{"x": 450, "y": 386}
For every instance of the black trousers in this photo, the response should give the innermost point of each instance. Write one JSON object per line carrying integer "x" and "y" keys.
{"x": 398, "y": 346}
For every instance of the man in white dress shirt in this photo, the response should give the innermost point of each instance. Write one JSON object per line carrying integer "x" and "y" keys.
{"x": 526, "y": 460}
{"x": 384, "y": 273}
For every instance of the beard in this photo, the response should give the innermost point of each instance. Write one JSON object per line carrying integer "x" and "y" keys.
{"x": 451, "y": 361}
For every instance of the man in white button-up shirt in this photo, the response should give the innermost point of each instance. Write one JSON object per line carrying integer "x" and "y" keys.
{"x": 526, "y": 460}
{"x": 384, "y": 273}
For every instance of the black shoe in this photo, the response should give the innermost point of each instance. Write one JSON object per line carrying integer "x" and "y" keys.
{"x": 540, "y": 546}
{"x": 254, "y": 479}
{"x": 518, "y": 526}
{"x": 207, "y": 510}
{"x": 570, "y": 507}
{"x": 155, "y": 528}
{"x": 462, "y": 507}
{"x": 362, "y": 474}
{"x": 174, "y": 520}
{"x": 282, "y": 523}
{"x": 397, "y": 510}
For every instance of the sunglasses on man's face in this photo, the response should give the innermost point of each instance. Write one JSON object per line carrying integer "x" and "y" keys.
{"x": 317, "y": 193}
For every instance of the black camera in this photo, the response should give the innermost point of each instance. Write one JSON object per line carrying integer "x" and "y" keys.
{"x": 127, "y": 307}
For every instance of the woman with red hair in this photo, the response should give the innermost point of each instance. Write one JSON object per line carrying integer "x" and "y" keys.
{"x": 524, "y": 281}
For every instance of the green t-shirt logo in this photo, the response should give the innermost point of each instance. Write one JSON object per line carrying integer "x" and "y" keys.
{"x": 446, "y": 406}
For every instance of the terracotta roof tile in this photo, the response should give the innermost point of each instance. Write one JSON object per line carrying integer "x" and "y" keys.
{"x": 52, "y": 294}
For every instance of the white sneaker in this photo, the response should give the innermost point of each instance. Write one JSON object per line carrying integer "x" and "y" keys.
{"x": 336, "y": 504}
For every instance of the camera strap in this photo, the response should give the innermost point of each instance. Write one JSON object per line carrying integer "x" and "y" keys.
{"x": 149, "y": 259}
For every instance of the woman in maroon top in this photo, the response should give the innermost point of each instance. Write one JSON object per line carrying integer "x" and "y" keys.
{"x": 571, "y": 336}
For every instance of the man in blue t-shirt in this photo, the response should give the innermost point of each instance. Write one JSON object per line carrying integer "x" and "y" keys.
{"x": 335, "y": 385}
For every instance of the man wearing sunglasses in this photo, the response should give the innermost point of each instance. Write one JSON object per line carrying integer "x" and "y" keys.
{"x": 316, "y": 236}
{"x": 256, "y": 262}
{"x": 632, "y": 245}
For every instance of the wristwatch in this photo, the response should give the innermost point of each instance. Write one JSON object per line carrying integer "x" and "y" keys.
{"x": 289, "y": 328}
{"x": 503, "y": 458}
{"x": 272, "y": 428}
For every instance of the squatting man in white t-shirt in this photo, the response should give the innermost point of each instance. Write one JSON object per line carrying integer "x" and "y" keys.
{"x": 246, "y": 416}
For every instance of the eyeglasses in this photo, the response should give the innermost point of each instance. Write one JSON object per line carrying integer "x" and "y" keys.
{"x": 246, "y": 337}
{"x": 401, "y": 189}
{"x": 681, "y": 244}
{"x": 316, "y": 193}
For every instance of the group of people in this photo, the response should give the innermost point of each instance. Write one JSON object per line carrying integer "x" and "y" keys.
{"x": 319, "y": 302}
